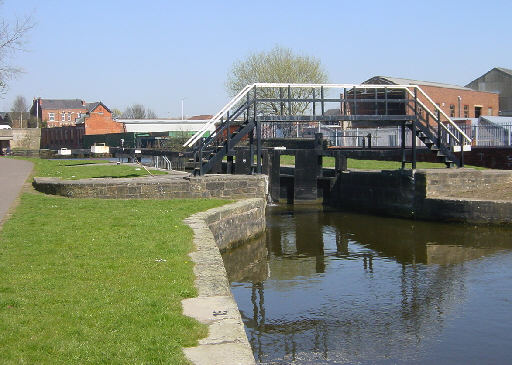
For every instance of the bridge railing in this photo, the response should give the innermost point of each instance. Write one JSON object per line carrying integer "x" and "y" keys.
{"x": 353, "y": 98}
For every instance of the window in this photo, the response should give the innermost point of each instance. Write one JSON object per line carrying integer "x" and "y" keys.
{"x": 466, "y": 111}
{"x": 489, "y": 111}
{"x": 452, "y": 110}
{"x": 63, "y": 116}
{"x": 51, "y": 117}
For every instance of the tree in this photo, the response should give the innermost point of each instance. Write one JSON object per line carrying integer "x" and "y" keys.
{"x": 138, "y": 111}
{"x": 116, "y": 113}
{"x": 12, "y": 40}
{"x": 18, "y": 108}
{"x": 279, "y": 65}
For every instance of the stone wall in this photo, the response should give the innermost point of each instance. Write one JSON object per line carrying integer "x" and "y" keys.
{"x": 243, "y": 220}
{"x": 158, "y": 187}
{"x": 26, "y": 138}
{"x": 215, "y": 305}
{"x": 436, "y": 183}
{"x": 425, "y": 194}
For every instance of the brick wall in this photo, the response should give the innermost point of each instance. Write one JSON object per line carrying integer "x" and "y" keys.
{"x": 446, "y": 97}
{"x": 58, "y": 122}
{"x": 100, "y": 122}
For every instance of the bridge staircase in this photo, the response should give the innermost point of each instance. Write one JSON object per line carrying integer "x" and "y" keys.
{"x": 242, "y": 119}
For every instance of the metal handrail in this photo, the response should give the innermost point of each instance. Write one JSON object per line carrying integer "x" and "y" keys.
{"x": 452, "y": 123}
{"x": 192, "y": 140}
{"x": 243, "y": 93}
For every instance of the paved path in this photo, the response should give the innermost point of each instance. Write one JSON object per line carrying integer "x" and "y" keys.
{"x": 13, "y": 174}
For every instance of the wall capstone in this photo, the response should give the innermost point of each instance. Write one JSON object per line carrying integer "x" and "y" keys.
{"x": 215, "y": 305}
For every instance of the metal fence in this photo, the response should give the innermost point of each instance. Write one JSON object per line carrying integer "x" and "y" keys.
{"x": 491, "y": 135}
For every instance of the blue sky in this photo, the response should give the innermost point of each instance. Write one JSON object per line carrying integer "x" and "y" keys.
{"x": 159, "y": 52}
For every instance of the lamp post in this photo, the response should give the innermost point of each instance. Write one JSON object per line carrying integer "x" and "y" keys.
{"x": 459, "y": 98}
{"x": 182, "y": 114}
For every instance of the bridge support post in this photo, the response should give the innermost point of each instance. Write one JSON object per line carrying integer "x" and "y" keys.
{"x": 229, "y": 165}
{"x": 402, "y": 144}
{"x": 306, "y": 173}
{"x": 340, "y": 162}
{"x": 243, "y": 161}
{"x": 273, "y": 168}
{"x": 415, "y": 120}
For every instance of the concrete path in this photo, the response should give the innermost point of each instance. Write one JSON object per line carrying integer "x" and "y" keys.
{"x": 13, "y": 174}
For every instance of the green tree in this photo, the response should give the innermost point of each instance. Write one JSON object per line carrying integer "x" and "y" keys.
{"x": 116, "y": 113}
{"x": 279, "y": 65}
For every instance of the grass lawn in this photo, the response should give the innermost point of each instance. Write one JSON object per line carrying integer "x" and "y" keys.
{"x": 83, "y": 169}
{"x": 97, "y": 281}
{"x": 372, "y": 164}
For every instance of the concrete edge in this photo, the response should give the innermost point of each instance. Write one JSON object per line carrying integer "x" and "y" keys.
{"x": 465, "y": 210}
{"x": 215, "y": 306}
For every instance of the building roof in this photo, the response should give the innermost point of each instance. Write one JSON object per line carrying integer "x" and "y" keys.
{"x": 91, "y": 106}
{"x": 61, "y": 104}
{"x": 201, "y": 117}
{"x": 505, "y": 70}
{"x": 164, "y": 125}
{"x": 386, "y": 80}
{"x": 498, "y": 120}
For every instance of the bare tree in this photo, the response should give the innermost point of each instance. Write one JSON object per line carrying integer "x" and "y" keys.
{"x": 12, "y": 40}
{"x": 138, "y": 111}
{"x": 18, "y": 108}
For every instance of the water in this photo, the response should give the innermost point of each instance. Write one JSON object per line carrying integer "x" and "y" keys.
{"x": 326, "y": 287}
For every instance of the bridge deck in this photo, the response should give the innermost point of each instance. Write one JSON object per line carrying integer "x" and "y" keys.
{"x": 333, "y": 118}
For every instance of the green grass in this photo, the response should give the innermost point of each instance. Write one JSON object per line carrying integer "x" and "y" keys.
{"x": 97, "y": 281}
{"x": 84, "y": 169}
{"x": 371, "y": 164}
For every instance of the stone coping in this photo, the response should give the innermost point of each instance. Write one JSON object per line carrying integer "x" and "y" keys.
{"x": 158, "y": 187}
{"x": 227, "y": 341}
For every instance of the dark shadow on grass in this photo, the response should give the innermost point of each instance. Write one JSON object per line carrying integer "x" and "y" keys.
{"x": 80, "y": 164}
{"x": 115, "y": 177}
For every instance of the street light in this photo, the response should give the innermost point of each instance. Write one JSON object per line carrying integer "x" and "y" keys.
{"x": 182, "y": 115}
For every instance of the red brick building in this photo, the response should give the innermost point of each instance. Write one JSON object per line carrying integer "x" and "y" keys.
{"x": 57, "y": 112}
{"x": 456, "y": 101}
{"x": 69, "y": 120}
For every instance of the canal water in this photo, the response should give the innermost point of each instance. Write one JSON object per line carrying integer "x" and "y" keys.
{"x": 326, "y": 287}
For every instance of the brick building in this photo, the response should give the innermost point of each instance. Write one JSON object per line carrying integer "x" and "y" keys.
{"x": 69, "y": 120}
{"x": 456, "y": 101}
{"x": 497, "y": 80}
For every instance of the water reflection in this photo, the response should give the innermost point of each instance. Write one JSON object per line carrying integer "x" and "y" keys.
{"x": 330, "y": 287}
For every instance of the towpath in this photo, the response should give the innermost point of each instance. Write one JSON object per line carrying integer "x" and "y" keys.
{"x": 13, "y": 174}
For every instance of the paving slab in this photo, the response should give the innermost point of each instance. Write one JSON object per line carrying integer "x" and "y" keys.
{"x": 13, "y": 174}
